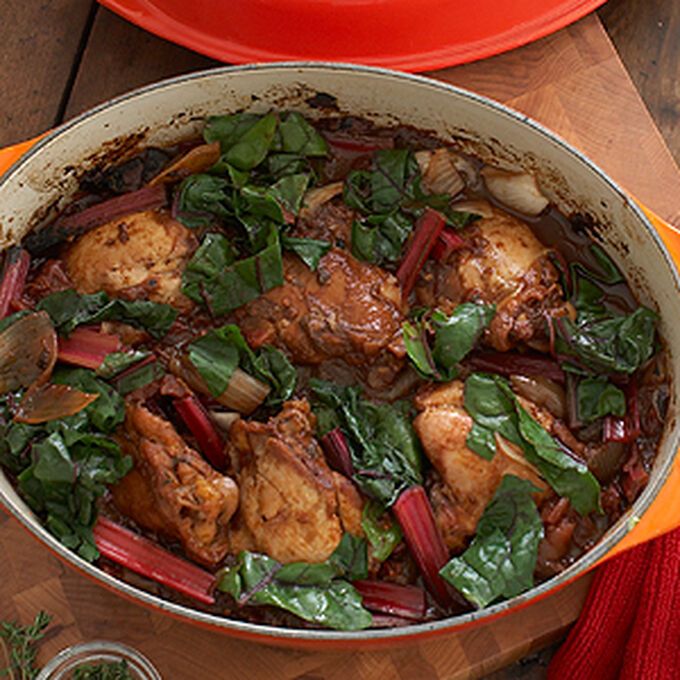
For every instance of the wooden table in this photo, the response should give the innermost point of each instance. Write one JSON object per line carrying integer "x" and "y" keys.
{"x": 59, "y": 57}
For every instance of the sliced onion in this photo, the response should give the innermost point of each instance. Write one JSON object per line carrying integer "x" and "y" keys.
{"x": 439, "y": 173}
{"x": 466, "y": 168}
{"x": 199, "y": 159}
{"x": 315, "y": 198}
{"x": 43, "y": 403}
{"x": 515, "y": 453}
{"x": 542, "y": 392}
{"x": 28, "y": 352}
{"x": 516, "y": 190}
{"x": 478, "y": 207}
{"x": 224, "y": 419}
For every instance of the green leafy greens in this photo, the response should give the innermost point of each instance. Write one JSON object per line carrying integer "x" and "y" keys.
{"x": 242, "y": 188}
{"x": 384, "y": 447}
{"x": 220, "y": 351}
{"x": 496, "y": 410}
{"x": 501, "y": 559}
{"x": 602, "y": 339}
{"x": 597, "y": 397}
{"x": 437, "y": 343}
{"x": 69, "y": 309}
{"x": 64, "y": 466}
{"x": 390, "y": 197}
{"x": 315, "y": 592}
{"x": 215, "y": 278}
{"x": 382, "y": 533}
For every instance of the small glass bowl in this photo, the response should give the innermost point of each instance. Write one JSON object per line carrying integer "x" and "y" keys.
{"x": 68, "y": 660}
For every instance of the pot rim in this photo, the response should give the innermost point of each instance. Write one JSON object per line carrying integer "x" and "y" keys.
{"x": 274, "y": 634}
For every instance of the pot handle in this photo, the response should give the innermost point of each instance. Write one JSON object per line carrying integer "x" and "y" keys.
{"x": 11, "y": 154}
{"x": 664, "y": 513}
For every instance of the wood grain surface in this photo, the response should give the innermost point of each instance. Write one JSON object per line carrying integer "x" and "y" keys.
{"x": 647, "y": 36}
{"x": 73, "y": 55}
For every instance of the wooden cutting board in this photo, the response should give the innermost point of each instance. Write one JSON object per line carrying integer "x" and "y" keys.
{"x": 572, "y": 82}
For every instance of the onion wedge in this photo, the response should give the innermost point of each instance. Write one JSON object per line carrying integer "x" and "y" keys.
{"x": 199, "y": 159}
{"x": 43, "y": 403}
{"x": 516, "y": 190}
{"x": 439, "y": 173}
{"x": 315, "y": 198}
{"x": 28, "y": 352}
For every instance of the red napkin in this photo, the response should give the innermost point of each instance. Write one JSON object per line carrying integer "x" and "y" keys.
{"x": 630, "y": 625}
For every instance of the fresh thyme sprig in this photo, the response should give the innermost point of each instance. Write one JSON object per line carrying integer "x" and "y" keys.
{"x": 17, "y": 644}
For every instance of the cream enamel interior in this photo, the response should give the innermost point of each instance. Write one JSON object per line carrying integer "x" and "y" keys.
{"x": 170, "y": 111}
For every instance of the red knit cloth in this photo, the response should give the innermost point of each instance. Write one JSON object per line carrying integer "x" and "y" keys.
{"x": 630, "y": 625}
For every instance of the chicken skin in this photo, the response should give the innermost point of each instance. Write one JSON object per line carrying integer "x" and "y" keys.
{"x": 139, "y": 256}
{"x": 506, "y": 265}
{"x": 172, "y": 490}
{"x": 346, "y": 310}
{"x": 467, "y": 482}
{"x": 289, "y": 505}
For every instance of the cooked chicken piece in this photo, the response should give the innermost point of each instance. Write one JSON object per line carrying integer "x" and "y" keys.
{"x": 350, "y": 505}
{"x": 469, "y": 481}
{"x": 139, "y": 256}
{"x": 331, "y": 221}
{"x": 507, "y": 265}
{"x": 346, "y": 309}
{"x": 289, "y": 507}
{"x": 181, "y": 495}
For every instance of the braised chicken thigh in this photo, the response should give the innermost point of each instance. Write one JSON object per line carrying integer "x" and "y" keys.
{"x": 139, "y": 256}
{"x": 288, "y": 498}
{"x": 469, "y": 481}
{"x": 504, "y": 264}
{"x": 346, "y": 310}
{"x": 172, "y": 490}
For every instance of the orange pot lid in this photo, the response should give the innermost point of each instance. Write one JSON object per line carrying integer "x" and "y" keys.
{"x": 410, "y": 35}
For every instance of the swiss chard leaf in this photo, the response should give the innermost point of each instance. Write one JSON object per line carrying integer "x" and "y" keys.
{"x": 220, "y": 351}
{"x": 64, "y": 483}
{"x": 610, "y": 343}
{"x": 107, "y": 411}
{"x": 228, "y": 129}
{"x": 272, "y": 366}
{"x": 495, "y": 410}
{"x": 216, "y": 355}
{"x": 389, "y": 197}
{"x": 139, "y": 377}
{"x": 311, "y": 591}
{"x": 69, "y": 309}
{"x": 249, "y": 149}
{"x": 438, "y": 343}
{"x": 117, "y": 362}
{"x": 382, "y": 533}
{"x": 384, "y": 447}
{"x": 501, "y": 559}
{"x": 298, "y": 136}
{"x": 214, "y": 278}
{"x": 596, "y": 397}
{"x": 309, "y": 250}
{"x": 203, "y": 200}
{"x": 601, "y": 339}
{"x": 71, "y": 462}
